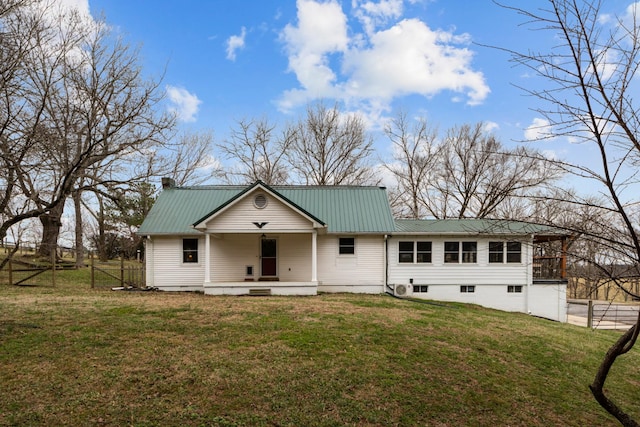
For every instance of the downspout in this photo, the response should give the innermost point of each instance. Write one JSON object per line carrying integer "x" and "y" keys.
{"x": 386, "y": 264}
{"x": 149, "y": 257}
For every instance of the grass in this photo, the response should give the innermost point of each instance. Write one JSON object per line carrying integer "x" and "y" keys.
{"x": 75, "y": 356}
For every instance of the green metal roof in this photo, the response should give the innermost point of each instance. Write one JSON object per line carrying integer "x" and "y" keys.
{"x": 474, "y": 226}
{"x": 344, "y": 209}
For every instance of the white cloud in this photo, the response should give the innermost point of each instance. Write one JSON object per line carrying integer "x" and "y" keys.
{"x": 185, "y": 104}
{"x": 321, "y": 30}
{"x": 491, "y": 126}
{"x": 538, "y": 129}
{"x": 411, "y": 58}
{"x": 234, "y": 43}
{"x": 373, "y": 14}
{"x": 372, "y": 69}
{"x": 82, "y": 6}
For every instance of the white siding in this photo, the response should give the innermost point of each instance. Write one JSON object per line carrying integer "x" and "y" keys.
{"x": 232, "y": 253}
{"x": 294, "y": 257}
{"x": 441, "y": 273}
{"x": 170, "y": 273}
{"x": 362, "y": 272}
{"x": 240, "y": 217}
{"x": 491, "y": 280}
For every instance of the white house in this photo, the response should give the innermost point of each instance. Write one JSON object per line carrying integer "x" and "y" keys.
{"x": 301, "y": 240}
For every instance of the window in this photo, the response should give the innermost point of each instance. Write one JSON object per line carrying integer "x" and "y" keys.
{"x": 405, "y": 252}
{"x": 514, "y": 289}
{"x": 467, "y": 289}
{"x": 468, "y": 254}
{"x": 410, "y": 251}
{"x": 452, "y": 252}
{"x": 423, "y": 254}
{"x": 189, "y": 250}
{"x": 420, "y": 288}
{"x": 514, "y": 252}
{"x": 499, "y": 252}
{"x": 347, "y": 246}
{"x": 496, "y": 252}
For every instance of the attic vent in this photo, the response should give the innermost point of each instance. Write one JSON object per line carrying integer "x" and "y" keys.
{"x": 260, "y": 201}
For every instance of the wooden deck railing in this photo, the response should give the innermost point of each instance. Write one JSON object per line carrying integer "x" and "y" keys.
{"x": 549, "y": 268}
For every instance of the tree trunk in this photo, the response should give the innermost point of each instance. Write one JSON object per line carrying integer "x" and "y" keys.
{"x": 102, "y": 240}
{"x": 51, "y": 223}
{"x": 79, "y": 232}
{"x": 622, "y": 346}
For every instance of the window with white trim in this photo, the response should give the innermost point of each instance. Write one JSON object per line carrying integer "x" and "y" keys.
{"x": 496, "y": 252}
{"x": 405, "y": 252}
{"x": 514, "y": 252}
{"x": 501, "y": 252}
{"x": 465, "y": 252}
{"x": 414, "y": 252}
{"x": 423, "y": 252}
{"x": 514, "y": 289}
{"x": 452, "y": 252}
{"x": 420, "y": 289}
{"x": 467, "y": 289}
{"x": 346, "y": 245}
{"x": 189, "y": 250}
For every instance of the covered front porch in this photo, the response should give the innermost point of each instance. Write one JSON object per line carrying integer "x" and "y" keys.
{"x": 260, "y": 263}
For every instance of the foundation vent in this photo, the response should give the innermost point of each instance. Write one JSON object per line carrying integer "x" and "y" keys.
{"x": 263, "y": 292}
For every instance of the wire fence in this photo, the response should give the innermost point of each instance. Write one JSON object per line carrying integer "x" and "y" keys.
{"x": 603, "y": 315}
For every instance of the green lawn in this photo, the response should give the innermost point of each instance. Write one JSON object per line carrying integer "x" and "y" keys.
{"x": 75, "y": 356}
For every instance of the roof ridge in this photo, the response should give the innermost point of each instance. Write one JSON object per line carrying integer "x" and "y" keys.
{"x": 287, "y": 186}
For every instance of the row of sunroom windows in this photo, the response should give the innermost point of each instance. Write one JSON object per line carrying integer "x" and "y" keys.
{"x": 459, "y": 252}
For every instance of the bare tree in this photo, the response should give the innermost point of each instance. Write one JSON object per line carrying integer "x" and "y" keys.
{"x": 414, "y": 152}
{"x": 468, "y": 173}
{"x": 33, "y": 54}
{"x": 478, "y": 174}
{"x": 84, "y": 102}
{"x": 259, "y": 153}
{"x": 331, "y": 148}
{"x": 190, "y": 160}
{"x": 591, "y": 75}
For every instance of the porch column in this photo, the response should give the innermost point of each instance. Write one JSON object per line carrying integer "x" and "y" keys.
{"x": 314, "y": 256}
{"x": 207, "y": 258}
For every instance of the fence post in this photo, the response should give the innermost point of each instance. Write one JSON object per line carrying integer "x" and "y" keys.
{"x": 93, "y": 277}
{"x": 121, "y": 271}
{"x": 590, "y": 314}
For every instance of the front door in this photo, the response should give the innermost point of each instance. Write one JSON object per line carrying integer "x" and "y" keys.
{"x": 269, "y": 252}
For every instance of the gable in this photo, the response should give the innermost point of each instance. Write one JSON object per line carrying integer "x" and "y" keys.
{"x": 258, "y": 210}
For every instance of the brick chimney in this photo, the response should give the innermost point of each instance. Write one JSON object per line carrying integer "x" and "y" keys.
{"x": 168, "y": 183}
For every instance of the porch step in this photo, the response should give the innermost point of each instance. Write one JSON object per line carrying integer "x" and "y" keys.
{"x": 262, "y": 292}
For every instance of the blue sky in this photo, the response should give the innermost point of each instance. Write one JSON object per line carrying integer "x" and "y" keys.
{"x": 224, "y": 60}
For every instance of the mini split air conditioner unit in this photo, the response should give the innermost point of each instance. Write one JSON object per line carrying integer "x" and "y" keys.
{"x": 401, "y": 290}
